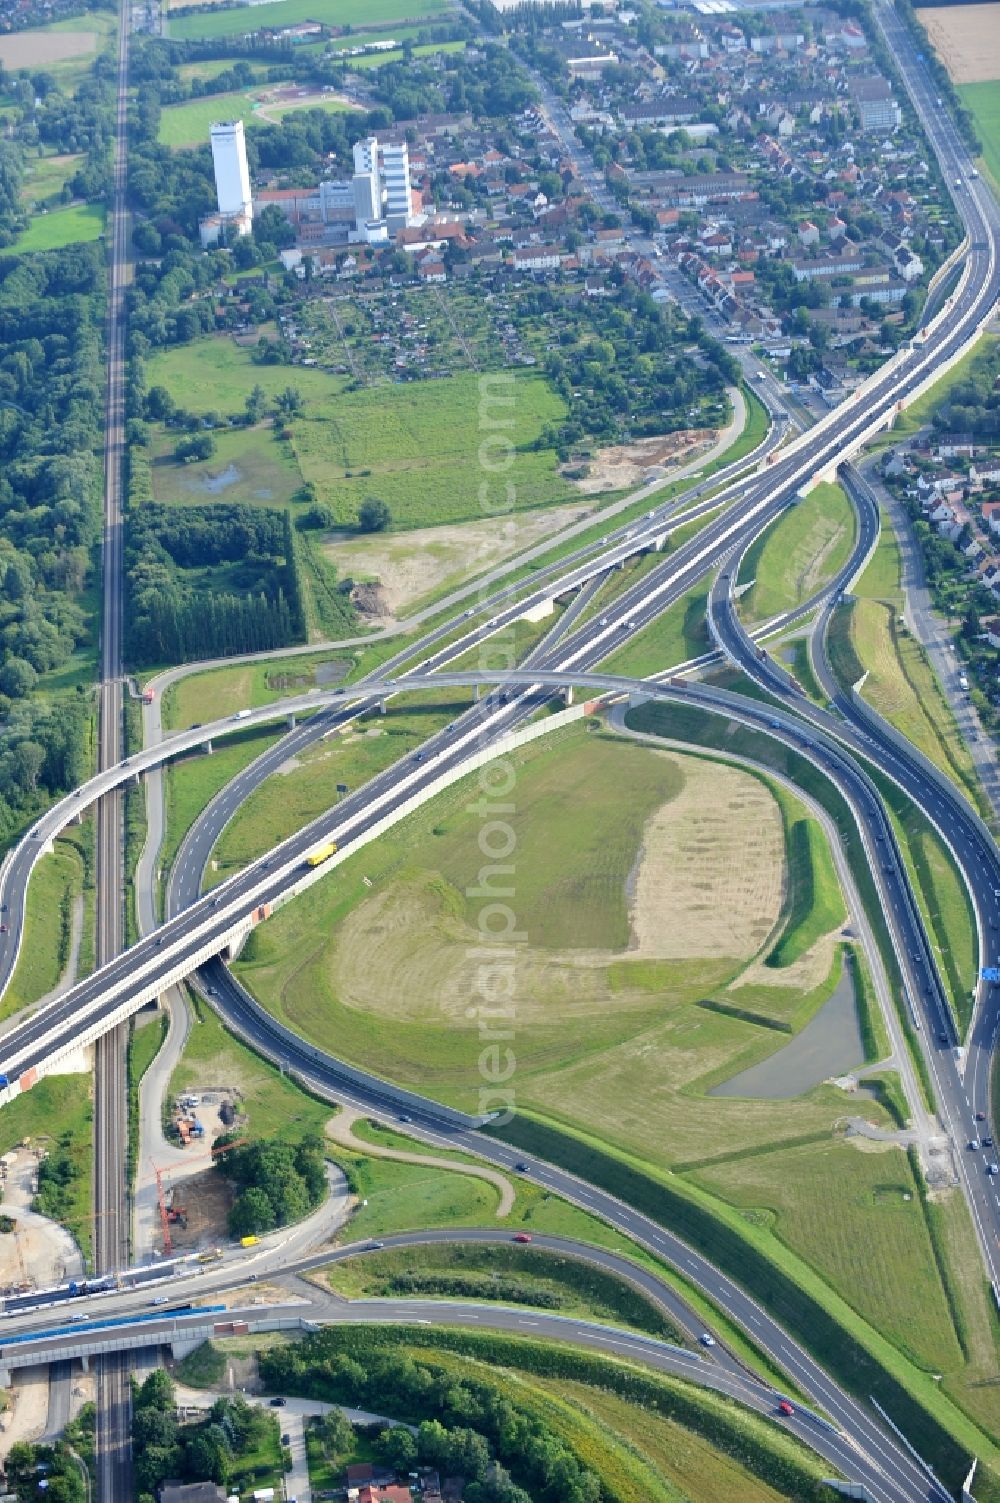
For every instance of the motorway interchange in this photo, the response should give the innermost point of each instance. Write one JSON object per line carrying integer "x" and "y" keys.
{"x": 841, "y": 741}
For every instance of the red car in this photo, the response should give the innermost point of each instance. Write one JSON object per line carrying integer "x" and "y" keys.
{"x": 522, "y": 1236}
{"x": 785, "y": 1408}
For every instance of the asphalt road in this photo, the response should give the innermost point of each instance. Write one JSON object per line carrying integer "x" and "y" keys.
{"x": 873, "y": 1458}
{"x": 760, "y": 502}
{"x": 957, "y": 1075}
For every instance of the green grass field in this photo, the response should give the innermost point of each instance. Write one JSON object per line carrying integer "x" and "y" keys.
{"x": 380, "y": 973}
{"x": 814, "y": 903}
{"x": 679, "y": 633}
{"x": 250, "y": 467}
{"x": 290, "y": 799}
{"x": 45, "y": 177}
{"x": 469, "y": 1271}
{"x": 903, "y": 687}
{"x": 419, "y": 450}
{"x": 59, "y": 1104}
{"x": 223, "y": 691}
{"x": 983, "y": 99}
{"x": 414, "y": 453}
{"x": 61, "y": 227}
{"x": 355, "y": 13}
{"x": 56, "y": 884}
{"x": 188, "y": 124}
{"x": 795, "y": 556}
{"x": 857, "y": 1219}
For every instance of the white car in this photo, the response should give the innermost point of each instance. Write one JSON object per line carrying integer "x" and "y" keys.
{"x": 706, "y": 1339}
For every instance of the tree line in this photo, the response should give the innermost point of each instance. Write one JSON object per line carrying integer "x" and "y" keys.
{"x": 466, "y": 1426}
{"x": 209, "y": 581}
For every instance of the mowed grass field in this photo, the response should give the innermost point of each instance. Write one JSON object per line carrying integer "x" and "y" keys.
{"x": 59, "y": 227}
{"x": 856, "y": 1217}
{"x": 803, "y": 549}
{"x": 416, "y": 447}
{"x": 373, "y": 962}
{"x": 188, "y": 124}
{"x": 44, "y": 177}
{"x": 354, "y": 13}
{"x": 983, "y": 99}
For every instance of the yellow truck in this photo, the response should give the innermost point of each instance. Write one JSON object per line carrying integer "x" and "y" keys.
{"x": 249, "y": 1241}
{"x": 321, "y": 853}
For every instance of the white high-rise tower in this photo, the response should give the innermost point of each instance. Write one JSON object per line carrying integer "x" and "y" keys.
{"x": 396, "y": 174}
{"x": 232, "y": 175}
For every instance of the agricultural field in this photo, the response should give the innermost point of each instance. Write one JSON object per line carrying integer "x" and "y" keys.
{"x": 798, "y": 554}
{"x": 374, "y": 961}
{"x": 59, "y": 227}
{"x": 65, "y": 49}
{"x": 354, "y": 13}
{"x": 967, "y": 40}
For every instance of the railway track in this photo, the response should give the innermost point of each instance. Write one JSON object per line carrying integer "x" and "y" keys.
{"x": 111, "y": 1223}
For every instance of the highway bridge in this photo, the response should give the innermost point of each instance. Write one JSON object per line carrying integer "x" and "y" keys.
{"x": 840, "y": 745}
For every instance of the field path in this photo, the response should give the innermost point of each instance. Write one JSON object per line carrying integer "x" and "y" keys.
{"x": 339, "y": 1128}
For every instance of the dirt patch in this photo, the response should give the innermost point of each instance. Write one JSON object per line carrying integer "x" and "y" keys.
{"x": 967, "y": 40}
{"x": 29, "y": 1409}
{"x": 31, "y": 49}
{"x": 620, "y": 466}
{"x": 38, "y": 1252}
{"x": 206, "y": 1198}
{"x": 708, "y": 883}
{"x": 712, "y": 869}
{"x": 399, "y": 568}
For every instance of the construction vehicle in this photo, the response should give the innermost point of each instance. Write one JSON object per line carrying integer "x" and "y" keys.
{"x": 321, "y": 853}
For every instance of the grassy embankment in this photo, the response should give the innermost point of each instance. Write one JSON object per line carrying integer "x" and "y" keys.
{"x": 866, "y": 636}
{"x": 790, "y": 1142}
{"x": 56, "y": 888}
{"x": 798, "y": 553}
{"x": 651, "y": 1439}
{"x": 59, "y": 1108}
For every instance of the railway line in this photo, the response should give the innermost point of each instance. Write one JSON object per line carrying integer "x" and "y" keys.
{"x": 200, "y": 928}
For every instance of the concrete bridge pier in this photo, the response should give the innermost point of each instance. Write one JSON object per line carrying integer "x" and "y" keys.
{"x": 208, "y": 748}
{"x": 290, "y": 722}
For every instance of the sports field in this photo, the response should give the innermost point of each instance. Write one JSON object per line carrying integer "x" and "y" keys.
{"x": 355, "y": 13}
{"x": 188, "y": 124}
